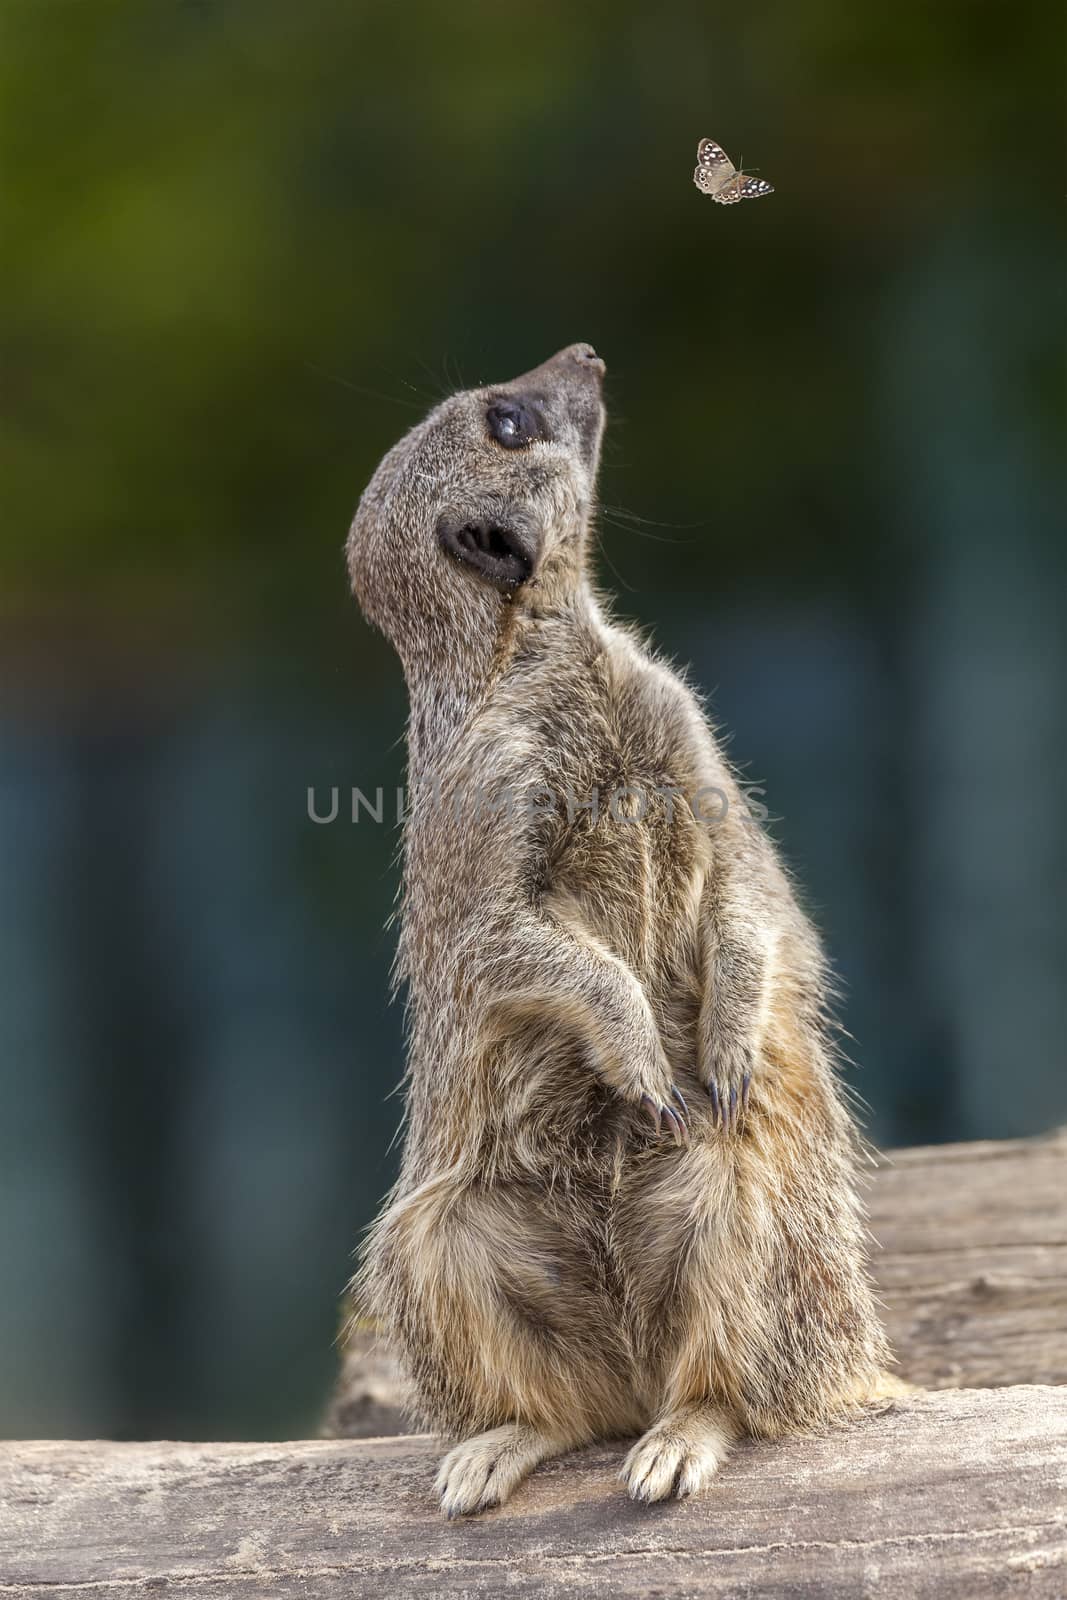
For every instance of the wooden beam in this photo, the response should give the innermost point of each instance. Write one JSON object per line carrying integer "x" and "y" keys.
{"x": 971, "y": 1260}
{"x": 958, "y": 1494}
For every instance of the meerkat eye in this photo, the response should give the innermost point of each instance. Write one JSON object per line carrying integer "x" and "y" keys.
{"x": 513, "y": 423}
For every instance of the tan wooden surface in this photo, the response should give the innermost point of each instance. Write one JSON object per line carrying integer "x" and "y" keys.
{"x": 961, "y": 1492}
{"x": 956, "y": 1494}
{"x": 972, "y": 1260}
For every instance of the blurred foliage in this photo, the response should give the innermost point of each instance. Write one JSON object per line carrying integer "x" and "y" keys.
{"x": 247, "y": 241}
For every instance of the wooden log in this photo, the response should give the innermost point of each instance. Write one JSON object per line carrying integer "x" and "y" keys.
{"x": 971, "y": 1263}
{"x": 957, "y": 1494}
{"x": 971, "y": 1260}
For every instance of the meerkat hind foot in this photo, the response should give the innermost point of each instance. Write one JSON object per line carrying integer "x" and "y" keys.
{"x": 484, "y": 1470}
{"x": 679, "y": 1455}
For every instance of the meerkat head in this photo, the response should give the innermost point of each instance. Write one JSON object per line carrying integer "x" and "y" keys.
{"x": 484, "y": 503}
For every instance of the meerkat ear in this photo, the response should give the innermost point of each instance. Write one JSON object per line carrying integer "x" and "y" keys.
{"x": 498, "y": 551}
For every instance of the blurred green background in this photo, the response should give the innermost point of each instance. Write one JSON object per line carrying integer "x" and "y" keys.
{"x": 244, "y": 244}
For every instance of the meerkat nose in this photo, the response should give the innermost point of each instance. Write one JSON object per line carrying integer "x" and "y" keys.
{"x": 576, "y": 364}
{"x": 575, "y": 356}
{"x": 585, "y": 356}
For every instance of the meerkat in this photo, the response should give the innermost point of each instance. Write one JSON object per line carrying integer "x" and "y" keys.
{"x": 627, "y": 1199}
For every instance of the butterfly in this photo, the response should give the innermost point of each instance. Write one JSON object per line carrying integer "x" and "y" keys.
{"x": 716, "y": 175}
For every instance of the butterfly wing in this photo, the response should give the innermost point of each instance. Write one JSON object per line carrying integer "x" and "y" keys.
{"x": 712, "y": 155}
{"x": 742, "y": 186}
{"x": 708, "y": 180}
{"x": 714, "y": 168}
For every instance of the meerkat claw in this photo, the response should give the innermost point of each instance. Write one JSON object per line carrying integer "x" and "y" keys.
{"x": 665, "y": 1119}
{"x": 676, "y": 1125}
{"x": 728, "y": 1106}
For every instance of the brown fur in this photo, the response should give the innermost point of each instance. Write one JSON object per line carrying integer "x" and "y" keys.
{"x": 552, "y": 1268}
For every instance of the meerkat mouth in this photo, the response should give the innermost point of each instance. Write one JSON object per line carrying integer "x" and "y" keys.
{"x": 496, "y": 551}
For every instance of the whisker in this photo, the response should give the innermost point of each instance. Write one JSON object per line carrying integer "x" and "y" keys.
{"x": 441, "y": 388}
{"x": 457, "y": 381}
{"x": 602, "y": 551}
{"x": 630, "y": 527}
{"x": 361, "y": 389}
{"x": 652, "y": 522}
{"x": 634, "y": 519}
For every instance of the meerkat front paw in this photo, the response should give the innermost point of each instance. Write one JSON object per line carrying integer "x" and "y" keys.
{"x": 482, "y": 1472}
{"x": 679, "y": 1456}
{"x": 727, "y": 1077}
{"x": 672, "y": 1119}
{"x": 645, "y": 1081}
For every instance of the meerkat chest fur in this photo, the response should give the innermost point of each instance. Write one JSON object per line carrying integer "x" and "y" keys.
{"x": 569, "y": 789}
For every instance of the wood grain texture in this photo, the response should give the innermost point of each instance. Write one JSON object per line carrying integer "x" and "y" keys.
{"x": 971, "y": 1262}
{"x": 957, "y": 1493}
{"x": 954, "y": 1494}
